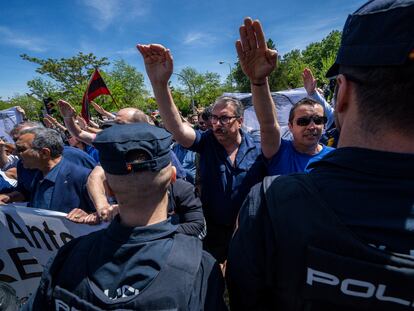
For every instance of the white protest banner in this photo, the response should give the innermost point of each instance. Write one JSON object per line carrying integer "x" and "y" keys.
{"x": 29, "y": 237}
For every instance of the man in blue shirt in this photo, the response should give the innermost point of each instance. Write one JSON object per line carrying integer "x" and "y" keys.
{"x": 306, "y": 119}
{"x": 230, "y": 159}
{"x": 341, "y": 237}
{"x": 306, "y": 122}
{"x": 25, "y": 176}
{"x": 58, "y": 184}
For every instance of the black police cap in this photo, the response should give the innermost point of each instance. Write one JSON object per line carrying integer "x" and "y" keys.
{"x": 115, "y": 142}
{"x": 380, "y": 33}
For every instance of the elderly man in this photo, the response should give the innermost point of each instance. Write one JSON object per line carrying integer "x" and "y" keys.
{"x": 25, "y": 176}
{"x": 140, "y": 262}
{"x": 59, "y": 185}
{"x": 341, "y": 236}
{"x": 230, "y": 160}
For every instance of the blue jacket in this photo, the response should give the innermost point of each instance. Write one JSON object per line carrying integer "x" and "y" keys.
{"x": 67, "y": 188}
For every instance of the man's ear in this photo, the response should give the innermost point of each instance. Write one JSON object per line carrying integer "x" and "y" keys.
{"x": 241, "y": 121}
{"x": 44, "y": 153}
{"x": 343, "y": 93}
{"x": 290, "y": 126}
{"x": 173, "y": 174}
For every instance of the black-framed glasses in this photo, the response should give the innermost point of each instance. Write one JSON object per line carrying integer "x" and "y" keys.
{"x": 223, "y": 119}
{"x": 305, "y": 121}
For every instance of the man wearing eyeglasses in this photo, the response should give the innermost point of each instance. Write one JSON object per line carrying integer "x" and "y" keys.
{"x": 230, "y": 159}
{"x": 341, "y": 236}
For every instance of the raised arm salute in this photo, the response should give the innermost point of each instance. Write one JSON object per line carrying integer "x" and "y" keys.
{"x": 230, "y": 159}
{"x": 159, "y": 66}
{"x": 257, "y": 62}
{"x": 306, "y": 118}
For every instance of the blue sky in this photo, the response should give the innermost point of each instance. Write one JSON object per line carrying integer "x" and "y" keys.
{"x": 199, "y": 33}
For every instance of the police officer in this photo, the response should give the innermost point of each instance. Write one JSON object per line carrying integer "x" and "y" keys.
{"x": 140, "y": 262}
{"x": 341, "y": 237}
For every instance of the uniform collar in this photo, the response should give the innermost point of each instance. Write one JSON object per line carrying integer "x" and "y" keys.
{"x": 116, "y": 231}
{"x": 369, "y": 161}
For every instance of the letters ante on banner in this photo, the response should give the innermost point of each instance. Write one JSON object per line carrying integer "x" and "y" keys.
{"x": 29, "y": 238}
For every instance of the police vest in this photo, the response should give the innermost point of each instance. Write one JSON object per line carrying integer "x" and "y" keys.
{"x": 321, "y": 264}
{"x": 171, "y": 289}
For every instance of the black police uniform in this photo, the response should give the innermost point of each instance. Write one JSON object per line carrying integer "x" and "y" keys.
{"x": 141, "y": 268}
{"x": 303, "y": 246}
{"x": 150, "y": 267}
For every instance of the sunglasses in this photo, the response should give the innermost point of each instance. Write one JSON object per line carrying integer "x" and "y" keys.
{"x": 305, "y": 121}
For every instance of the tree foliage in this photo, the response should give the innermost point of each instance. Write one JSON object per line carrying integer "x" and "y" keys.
{"x": 68, "y": 72}
{"x": 204, "y": 88}
{"x": 318, "y": 56}
{"x": 67, "y": 78}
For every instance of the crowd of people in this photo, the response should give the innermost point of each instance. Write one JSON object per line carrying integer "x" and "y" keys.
{"x": 200, "y": 206}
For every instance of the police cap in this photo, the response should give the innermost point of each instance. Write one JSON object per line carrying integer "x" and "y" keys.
{"x": 117, "y": 141}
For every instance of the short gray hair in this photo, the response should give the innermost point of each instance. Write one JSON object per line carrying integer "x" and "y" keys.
{"x": 46, "y": 138}
{"x": 237, "y": 104}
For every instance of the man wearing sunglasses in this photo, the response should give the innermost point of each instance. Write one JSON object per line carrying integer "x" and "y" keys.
{"x": 306, "y": 123}
{"x": 341, "y": 236}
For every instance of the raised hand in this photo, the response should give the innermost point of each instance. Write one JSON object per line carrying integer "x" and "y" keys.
{"x": 158, "y": 62}
{"x": 256, "y": 59}
{"x": 98, "y": 108}
{"x": 66, "y": 110}
{"x": 48, "y": 123}
{"x": 309, "y": 82}
{"x": 82, "y": 122}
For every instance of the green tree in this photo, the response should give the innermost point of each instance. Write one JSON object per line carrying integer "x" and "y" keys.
{"x": 319, "y": 56}
{"x": 126, "y": 85}
{"x": 31, "y": 105}
{"x": 67, "y": 78}
{"x": 204, "y": 88}
{"x": 68, "y": 72}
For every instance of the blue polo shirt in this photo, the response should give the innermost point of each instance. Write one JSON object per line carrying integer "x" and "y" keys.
{"x": 225, "y": 186}
{"x": 43, "y": 187}
{"x": 287, "y": 160}
{"x": 25, "y": 176}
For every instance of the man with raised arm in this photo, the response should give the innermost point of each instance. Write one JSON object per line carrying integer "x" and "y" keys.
{"x": 306, "y": 118}
{"x": 341, "y": 237}
{"x": 230, "y": 160}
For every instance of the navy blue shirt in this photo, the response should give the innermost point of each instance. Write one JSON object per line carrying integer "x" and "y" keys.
{"x": 62, "y": 189}
{"x": 5, "y": 186}
{"x": 43, "y": 188}
{"x": 25, "y": 176}
{"x": 225, "y": 186}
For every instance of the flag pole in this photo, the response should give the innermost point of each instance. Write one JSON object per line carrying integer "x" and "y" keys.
{"x": 113, "y": 99}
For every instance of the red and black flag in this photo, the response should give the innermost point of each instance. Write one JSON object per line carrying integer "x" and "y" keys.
{"x": 95, "y": 88}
